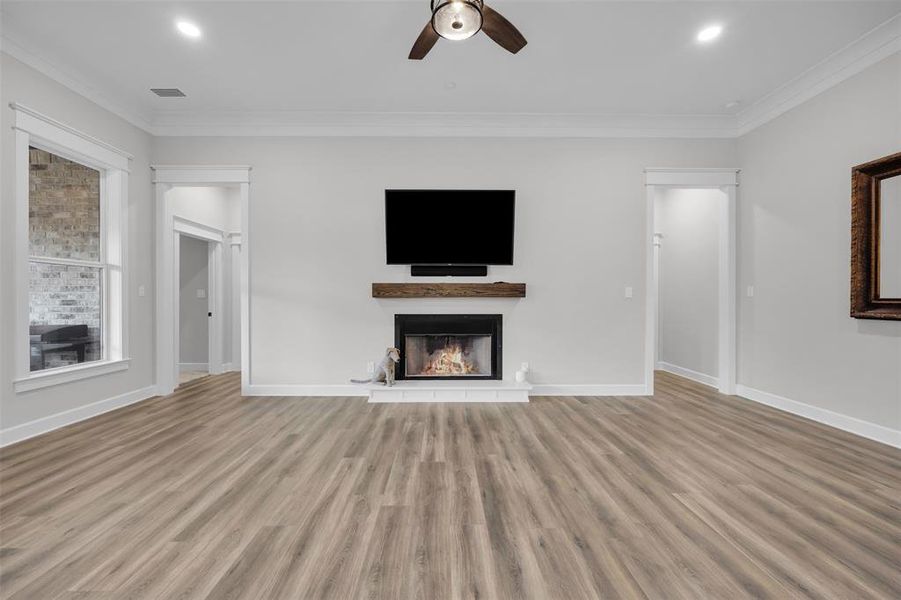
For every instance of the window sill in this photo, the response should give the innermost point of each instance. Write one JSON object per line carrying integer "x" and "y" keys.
{"x": 69, "y": 374}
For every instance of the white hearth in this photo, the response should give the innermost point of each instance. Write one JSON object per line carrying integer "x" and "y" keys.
{"x": 450, "y": 391}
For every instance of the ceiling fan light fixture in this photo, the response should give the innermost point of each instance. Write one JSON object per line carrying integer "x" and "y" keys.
{"x": 456, "y": 19}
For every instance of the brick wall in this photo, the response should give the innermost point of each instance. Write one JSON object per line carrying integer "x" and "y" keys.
{"x": 63, "y": 207}
{"x": 64, "y": 222}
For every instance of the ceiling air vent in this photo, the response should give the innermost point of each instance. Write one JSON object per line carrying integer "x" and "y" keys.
{"x": 168, "y": 92}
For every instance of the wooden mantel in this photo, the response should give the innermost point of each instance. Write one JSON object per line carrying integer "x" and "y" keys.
{"x": 449, "y": 290}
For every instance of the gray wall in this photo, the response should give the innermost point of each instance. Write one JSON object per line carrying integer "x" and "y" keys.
{"x": 317, "y": 242}
{"x": 796, "y": 339}
{"x": 193, "y": 320}
{"x": 688, "y": 279}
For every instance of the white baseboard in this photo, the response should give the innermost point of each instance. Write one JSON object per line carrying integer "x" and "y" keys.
{"x": 588, "y": 389}
{"x": 689, "y": 374}
{"x": 361, "y": 390}
{"x": 185, "y": 367}
{"x": 853, "y": 425}
{"x": 24, "y": 431}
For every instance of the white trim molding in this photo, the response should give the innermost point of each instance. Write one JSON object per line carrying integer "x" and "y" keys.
{"x": 688, "y": 373}
{"x": 867, "y": 50}
{"x": 87, "y": 147}
{"x": 657, "y": 181}
{"x": 689, "y": 177}
{"x": 201, "y": 174}
{"x": 872, "y": 431}
{"x": 46, "y": 424}
{"x": 51, "y": 377}
{"x": 197, "y": 230}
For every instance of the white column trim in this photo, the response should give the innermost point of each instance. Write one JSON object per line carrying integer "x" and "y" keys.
{"x": 246, "y": 364}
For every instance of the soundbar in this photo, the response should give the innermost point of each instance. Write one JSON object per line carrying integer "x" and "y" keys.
{"x": 449, "y": 271}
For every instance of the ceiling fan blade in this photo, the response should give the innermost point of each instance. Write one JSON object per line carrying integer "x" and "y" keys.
{"x": 502, "y": 31}
{"x": 424, "y": 42}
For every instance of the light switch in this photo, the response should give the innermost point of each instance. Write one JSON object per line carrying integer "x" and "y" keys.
{"x": 628, "y": 292}
{"x": 201, "y": 293}
{"x": 750, "y": 291}
{"x": 142, "y": 291}
{"x": 370, "y": 367}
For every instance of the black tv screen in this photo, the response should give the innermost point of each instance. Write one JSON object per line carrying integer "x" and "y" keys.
{"x": 449, "y": 227}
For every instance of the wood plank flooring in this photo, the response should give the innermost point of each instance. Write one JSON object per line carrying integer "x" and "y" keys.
{"x": 688, "y": 494}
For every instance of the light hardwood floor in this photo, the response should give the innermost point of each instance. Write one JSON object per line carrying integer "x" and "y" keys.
{"x": 689, "y": 494}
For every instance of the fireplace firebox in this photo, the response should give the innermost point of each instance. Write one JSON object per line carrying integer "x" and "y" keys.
{"x": 448, "y": 346}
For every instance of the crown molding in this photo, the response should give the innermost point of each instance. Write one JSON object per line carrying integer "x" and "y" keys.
{"x": 76, "y": 84}
{"x": 875, "y": 45}
{"x": 421, "y": 124}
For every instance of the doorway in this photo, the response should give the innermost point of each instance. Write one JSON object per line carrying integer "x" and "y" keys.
{"x": 194, "y": 314}
{"x": 209, "y": 204}
{"x": 685, "y": 251}
{"x": 691, "y": 309}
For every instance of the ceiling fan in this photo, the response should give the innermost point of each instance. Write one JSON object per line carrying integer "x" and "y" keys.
{"x": 461, "y": 19}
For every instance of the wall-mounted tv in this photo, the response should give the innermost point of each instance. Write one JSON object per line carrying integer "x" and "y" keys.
{"x": 449, "y": 227}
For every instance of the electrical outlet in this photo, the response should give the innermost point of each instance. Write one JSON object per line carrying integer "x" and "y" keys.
{"x": 629, "y": 292}
{"x": 524, "y": 367}
{"x": 201, "y": 293}
{"x": 370, "y": 367}
{"x": 142, "y": 291}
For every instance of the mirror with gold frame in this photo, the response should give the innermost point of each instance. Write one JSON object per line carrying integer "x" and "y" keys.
{"x": 876, "y": 239}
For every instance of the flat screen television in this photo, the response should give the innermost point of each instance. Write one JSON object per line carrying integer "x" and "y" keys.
{"x": 449, "y": 227}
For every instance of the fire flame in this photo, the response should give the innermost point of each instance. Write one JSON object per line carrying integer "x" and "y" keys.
{"x": 448, "y": 361}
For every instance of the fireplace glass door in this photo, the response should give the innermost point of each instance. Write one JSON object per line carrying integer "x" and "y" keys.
{"x": 449, "y": 346}
{"x": 430, "y": 355}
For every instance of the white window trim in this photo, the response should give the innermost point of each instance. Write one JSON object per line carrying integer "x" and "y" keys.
{"x": 34, "y": 129}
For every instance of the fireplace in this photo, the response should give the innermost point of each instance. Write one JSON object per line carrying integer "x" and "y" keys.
{"x": 448, "y": 346}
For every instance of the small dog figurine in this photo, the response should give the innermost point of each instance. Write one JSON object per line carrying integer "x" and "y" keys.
{"x": 384, "y": 371}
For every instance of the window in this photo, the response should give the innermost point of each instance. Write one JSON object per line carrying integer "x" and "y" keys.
{"x": 66, "y": 270}
{"x": 71, "y": 202}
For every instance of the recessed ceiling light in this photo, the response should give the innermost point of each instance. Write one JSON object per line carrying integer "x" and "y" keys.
{"x": 188, "y": 29}
{"x": 708, "y": 34}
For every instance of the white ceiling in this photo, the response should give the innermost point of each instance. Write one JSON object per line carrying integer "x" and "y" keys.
{"x": 258, "y": 59}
